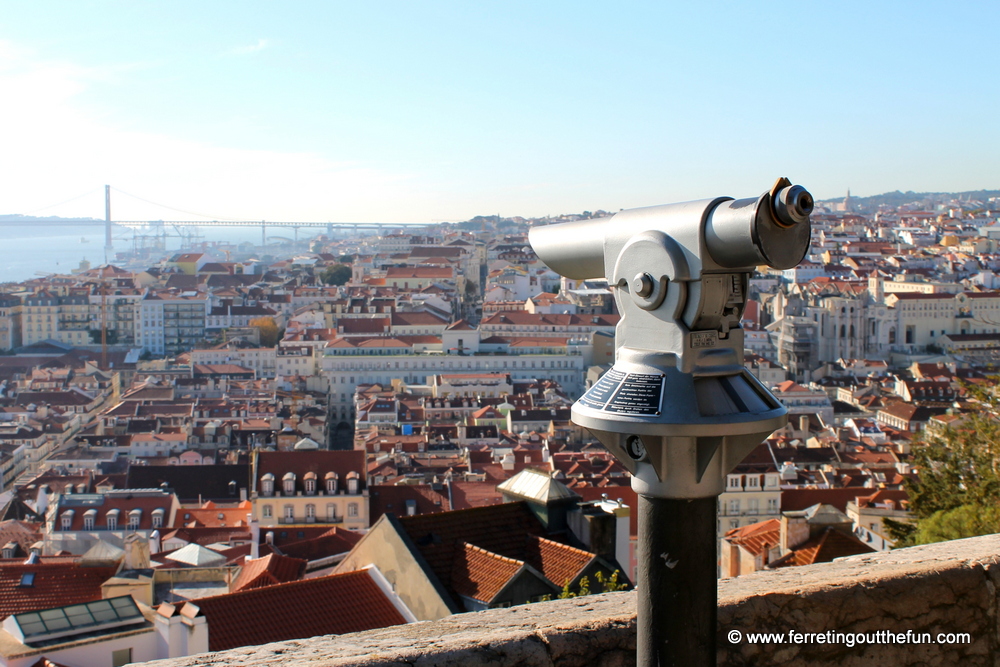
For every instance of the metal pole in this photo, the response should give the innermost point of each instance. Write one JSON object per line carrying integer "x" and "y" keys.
{"x": 678, "y": 596}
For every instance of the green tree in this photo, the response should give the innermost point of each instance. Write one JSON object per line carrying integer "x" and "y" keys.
{"x": 338, "y": 274}
{"x": 957, "y": 490}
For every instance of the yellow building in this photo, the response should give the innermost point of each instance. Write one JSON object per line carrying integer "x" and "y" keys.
{"x": 308, "y": 487}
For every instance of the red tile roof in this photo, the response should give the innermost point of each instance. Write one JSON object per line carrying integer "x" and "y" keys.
{"x": 54, "y": 585}
{"x": 501, "y": 529}
{"x": 338, "y": 604}
{"x": 830, "y": 544}
{"x": 757, "y": 538}
{"x": 319, "y": 462}
{"x": 480, "y": 574}
{"x": 396, "y": 498}
{"x": 267, "y": 571}
{"x": 560, "y": 563}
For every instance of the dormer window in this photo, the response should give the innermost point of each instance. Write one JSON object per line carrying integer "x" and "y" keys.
{"x": 133, "y": 519}
{"x": 288, "y": 484}
{"x": 330, "y": 480}
{"x": 310, "y": 482}
{"x": 267, "y": 484}
{"x": 89, "y": 517}
{"x": 112, "y": 519}
{"x": 67, "y": 519}
{"x": 352, "y": 483}
{"x": 158, "y": 517}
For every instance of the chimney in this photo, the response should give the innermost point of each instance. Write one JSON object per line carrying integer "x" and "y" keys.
{"x": 804, "y": 423}
{"x": 154, "y": 542}
{"x": 42, "y": 501}
{"x": 136, "y": 552}
{"x": 794, "y": 531}
{"x": 255, "y": 537}
{"x": 269, "y": 537}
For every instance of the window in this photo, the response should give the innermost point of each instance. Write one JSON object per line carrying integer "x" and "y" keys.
{"x": 331, "y": 512}
{"x": 772, "y": 505}
{"x": 331, "y": 483}
{"x": 289, "y": 512}
{"x": 352, "y": 486}
{"x": 268, "y": 512}
{"x": 311, "y": 486}
{"x": 352, "y": 510}
{"x": 112, "y": 522}
{"x": 67, "y": 519}
{"x": 27, "y": 579}
{"x": 734, "y": 506}
{"x": 267, "y": 484}
{"x": 288, "y": 484}
{"x": 310, "y": 512}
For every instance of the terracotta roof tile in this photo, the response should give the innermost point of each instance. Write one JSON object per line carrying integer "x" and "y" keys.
{"x": 480, "y": 574}
{"x": 54, "y": 585}
{"x": 830, "y": 544}
{"x": 500, "y": 529}
{"x": 560, "y": 563}
{"x": 338, "y": 604}
{"x": 757, "y": 538}
{"x": 267, "y": 571}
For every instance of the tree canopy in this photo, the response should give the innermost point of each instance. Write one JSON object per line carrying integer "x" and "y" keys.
{"x": 338, "y": 274}
{"x": 957, "y": 490}
{"x": 269, "y": 332}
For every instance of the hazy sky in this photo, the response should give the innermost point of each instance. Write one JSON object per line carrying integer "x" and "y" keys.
{"x": 423, "y": 111}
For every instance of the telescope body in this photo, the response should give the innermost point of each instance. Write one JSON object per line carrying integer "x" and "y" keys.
{"x": 678, "y": 408}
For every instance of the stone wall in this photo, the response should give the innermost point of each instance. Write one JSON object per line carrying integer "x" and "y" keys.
{"x": 943, "y": 588}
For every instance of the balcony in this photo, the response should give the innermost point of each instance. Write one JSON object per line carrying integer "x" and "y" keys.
{"x": 299, "y": 520}
{"x": 949, "y": 587}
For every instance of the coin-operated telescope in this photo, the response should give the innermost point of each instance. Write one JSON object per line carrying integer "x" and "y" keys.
{"x": 678, "y": 409}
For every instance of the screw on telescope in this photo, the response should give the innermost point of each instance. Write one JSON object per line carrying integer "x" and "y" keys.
{"x": 642, "y": 285}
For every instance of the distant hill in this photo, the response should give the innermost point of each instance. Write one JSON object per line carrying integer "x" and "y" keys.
{"x": 897, "y": 198}
{"x": 28, "y": 219}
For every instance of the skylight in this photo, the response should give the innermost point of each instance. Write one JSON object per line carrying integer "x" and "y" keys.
{"x": 75, "y": 619}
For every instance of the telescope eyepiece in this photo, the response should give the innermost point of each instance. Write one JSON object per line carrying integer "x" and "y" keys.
{"x": 792, "y": 205}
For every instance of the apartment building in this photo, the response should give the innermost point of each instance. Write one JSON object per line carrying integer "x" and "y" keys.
{"x": 170, "y": 323}
{"x": 10, "y": 322}
{"x": 63, "y": 318}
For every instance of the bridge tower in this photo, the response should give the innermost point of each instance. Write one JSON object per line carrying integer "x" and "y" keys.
{"x": 107, "y": 218}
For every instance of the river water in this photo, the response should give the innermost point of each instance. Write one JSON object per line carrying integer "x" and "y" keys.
{"x": 28, "y": 251}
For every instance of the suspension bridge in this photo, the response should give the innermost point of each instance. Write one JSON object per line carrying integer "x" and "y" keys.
{"x": 157, "y": 228}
